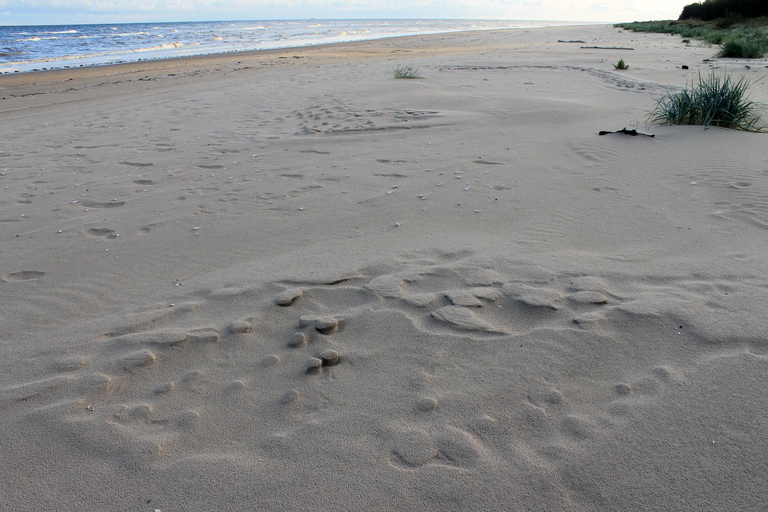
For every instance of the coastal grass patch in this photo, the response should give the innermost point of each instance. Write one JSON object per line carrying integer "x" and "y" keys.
{"x": 744, "y": 47}
{"x": 742, "y": 39}
{"x": 621, "y": 64}
{"x": 407, "y": 72}
{"x": 716, "y": 100}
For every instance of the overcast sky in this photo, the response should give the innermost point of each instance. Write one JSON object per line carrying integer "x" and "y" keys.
{"x": 40, "y": 12}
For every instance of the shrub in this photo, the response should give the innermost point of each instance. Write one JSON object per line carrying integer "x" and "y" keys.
{"x": 715, "y": 100}
{"x": 744, "y": 47}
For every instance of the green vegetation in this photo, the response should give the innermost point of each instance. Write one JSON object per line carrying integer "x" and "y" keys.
{"x": 748, "y": 40}
{"x": 714, "y": 101}
{"x": 739, "y": 26}
{"x": 408, "y": 72}
{"x": 730, "y": 11}
{"x": 621, "y": 65}
{"x": 744, "y": 47}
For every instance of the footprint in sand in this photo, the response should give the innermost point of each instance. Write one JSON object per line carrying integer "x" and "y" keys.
{"x": 303, "y": 354}
{"x": 26, "y": 275}
{"x": 100, "y": 233}
{"x": 136, "y": 164}
{"x": 86, "y": 203}
{"x": 149, "y": 227}
{"x": 414, "y": 448}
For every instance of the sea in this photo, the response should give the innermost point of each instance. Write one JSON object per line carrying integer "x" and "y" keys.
{"x": 36, "y": 48}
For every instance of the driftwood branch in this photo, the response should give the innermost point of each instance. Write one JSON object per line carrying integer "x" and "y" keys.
{"x": 605, "y": 48}
{"x": 633, "y": 133}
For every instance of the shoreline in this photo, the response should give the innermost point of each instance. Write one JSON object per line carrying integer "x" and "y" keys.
{"x": 329, "y": 33}
{"x": 183, "y": 61}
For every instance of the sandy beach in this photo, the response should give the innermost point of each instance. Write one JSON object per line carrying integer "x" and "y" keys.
{"x": 286, "y": 281}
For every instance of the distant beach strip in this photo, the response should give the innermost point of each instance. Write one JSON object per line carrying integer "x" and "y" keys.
{"x": 37, "y": 48}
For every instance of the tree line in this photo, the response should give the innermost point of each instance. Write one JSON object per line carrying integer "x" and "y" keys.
{"x": 716, "y": 9}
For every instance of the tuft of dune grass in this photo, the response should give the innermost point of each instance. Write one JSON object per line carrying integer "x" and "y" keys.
{"x": 716, "y": 100}
{"x": 407, "y": 72}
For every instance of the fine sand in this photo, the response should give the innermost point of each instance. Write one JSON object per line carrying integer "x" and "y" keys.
{"x": 287, "y": 281}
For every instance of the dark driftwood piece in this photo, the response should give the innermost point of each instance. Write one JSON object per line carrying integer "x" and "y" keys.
{"x": 605, "y": 48}
{"x": 633, "y": 133}
{"x": 576, "y": 41}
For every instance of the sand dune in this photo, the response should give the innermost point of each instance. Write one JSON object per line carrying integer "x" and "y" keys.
{"x": 287, "y": 281}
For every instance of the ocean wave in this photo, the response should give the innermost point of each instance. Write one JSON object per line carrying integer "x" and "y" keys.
{"x": 36, "y": 39}
{"x": 168, "y": 46}
{"x": 61, "y": 32}
{"x": 131, "y": 34}
{"x": 61, "y": 58}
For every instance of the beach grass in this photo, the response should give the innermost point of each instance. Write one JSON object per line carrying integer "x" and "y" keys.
{"x": 407, "y": 72}
{"x": 745, "y": 39}
{"x": 621, "y": 64}
{"x": 744, "y": 47}
{"x": 716, "y": 100}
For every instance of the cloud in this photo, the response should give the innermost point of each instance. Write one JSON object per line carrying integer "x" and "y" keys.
{"x": 115, "y": 11}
